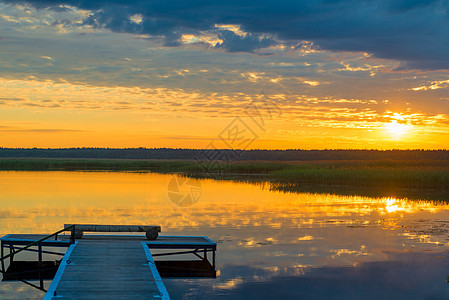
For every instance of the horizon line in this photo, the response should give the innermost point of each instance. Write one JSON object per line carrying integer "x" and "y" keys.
{"x": 223, "y": 149}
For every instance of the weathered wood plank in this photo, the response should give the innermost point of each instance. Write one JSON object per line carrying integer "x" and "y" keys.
{"x": 114, "y": 228}
{"x": 98, "y": 287}
{"x": 109, "y": 296}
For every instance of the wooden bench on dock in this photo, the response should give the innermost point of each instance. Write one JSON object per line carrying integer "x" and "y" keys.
{"x": 151, "y": 232}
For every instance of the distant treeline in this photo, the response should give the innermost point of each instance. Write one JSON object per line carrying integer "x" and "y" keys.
{"x": 225, "y": 154}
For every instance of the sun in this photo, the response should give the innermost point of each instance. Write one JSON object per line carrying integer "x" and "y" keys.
{"x": 397, "y": 130}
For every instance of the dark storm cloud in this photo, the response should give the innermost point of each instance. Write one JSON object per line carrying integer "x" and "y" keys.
{"x": 411, "y": 31}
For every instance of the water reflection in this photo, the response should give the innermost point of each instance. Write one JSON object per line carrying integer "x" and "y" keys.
{"x": 289, "y": 242}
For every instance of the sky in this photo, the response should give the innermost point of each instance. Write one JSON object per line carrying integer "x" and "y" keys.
{"x": 225, "y": 74}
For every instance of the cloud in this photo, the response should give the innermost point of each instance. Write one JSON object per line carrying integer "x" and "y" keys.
{"x": 434, "y": 85}
{"x": 413, "y": 32}
{"x": 14, "y": 99}
{"x": 38, "y": 130}
{"x": 233, "y": 42}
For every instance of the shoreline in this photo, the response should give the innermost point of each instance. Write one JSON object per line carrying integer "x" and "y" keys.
{"x": 382, "y": 177}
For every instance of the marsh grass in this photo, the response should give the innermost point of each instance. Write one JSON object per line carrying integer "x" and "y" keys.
{"x": 421, "y": 174}
{"x": 94, "y": 165}
{"x": 401, "y": 177}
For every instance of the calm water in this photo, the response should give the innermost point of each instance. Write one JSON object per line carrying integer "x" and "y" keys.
{"x": 272, "y": 245}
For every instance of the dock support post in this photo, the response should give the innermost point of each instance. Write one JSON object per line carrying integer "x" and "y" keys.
{"x": 11, "y": 258}
{"x": 72, "y": 235}
{"x": 3, "y": 261}
{"x": 39, "y": 264}
{"x": 213, "y": 258}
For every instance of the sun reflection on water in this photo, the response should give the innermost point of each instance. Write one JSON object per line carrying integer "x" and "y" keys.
{"x": 391, "y": 205}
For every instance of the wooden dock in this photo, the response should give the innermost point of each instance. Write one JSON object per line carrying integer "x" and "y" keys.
{"x": 107, "y": 269}
{"x": 116, "y": 266}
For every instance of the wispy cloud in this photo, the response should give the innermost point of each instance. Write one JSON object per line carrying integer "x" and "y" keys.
{"x": 434, "y": 85}
{"x": 36, "y": 130}
{"x": 326, "y": 111}
{"x": 13, "y": 99}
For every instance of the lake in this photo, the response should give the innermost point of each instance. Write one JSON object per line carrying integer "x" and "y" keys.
{"x": 271, "y": 244}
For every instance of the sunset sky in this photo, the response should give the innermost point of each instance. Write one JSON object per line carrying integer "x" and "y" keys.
{"x": 185, "y": 74}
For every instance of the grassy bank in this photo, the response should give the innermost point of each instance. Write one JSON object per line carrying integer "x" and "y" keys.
{"x": 118, "y": 165}
{"x": 422, "y": 174}
{"x": 165, "y": 166}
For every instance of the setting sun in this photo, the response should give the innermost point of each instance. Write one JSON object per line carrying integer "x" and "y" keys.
{"x": 397, "y": 130}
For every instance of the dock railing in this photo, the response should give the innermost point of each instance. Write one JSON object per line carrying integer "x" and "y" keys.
{"x": 40, "y": 252}
{"x": 39, "y": 243}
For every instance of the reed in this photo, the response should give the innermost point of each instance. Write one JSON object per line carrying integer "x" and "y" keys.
{"x": 405, "y": 177}
{"x": 93, "y": 165}
{"x": 421, "y": 174}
